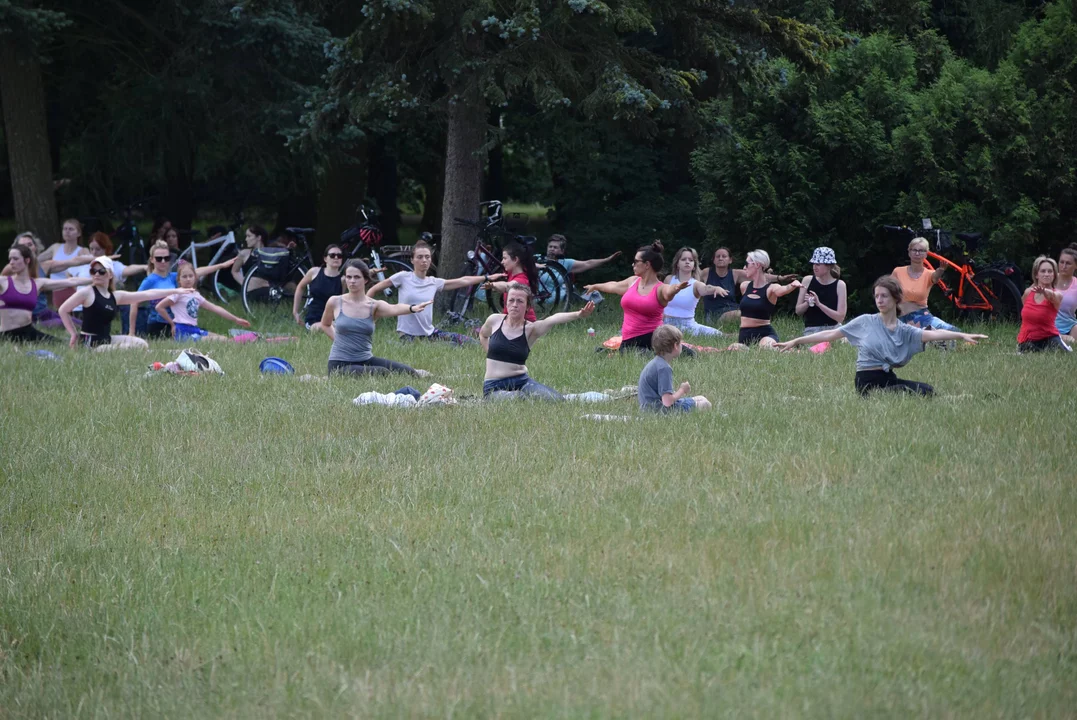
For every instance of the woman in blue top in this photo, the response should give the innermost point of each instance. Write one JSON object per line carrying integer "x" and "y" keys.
{"x": 883, "y": 342}
{"x": 160, "y": 278}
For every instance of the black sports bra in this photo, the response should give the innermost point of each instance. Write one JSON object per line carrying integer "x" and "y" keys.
{"x": 758, "y": 308}
{"x": 513, "y": 351}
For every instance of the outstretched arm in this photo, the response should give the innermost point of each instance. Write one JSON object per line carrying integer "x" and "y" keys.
{"x": 468, "y": 280}
{"x": 81, "y": 259}
{"x": 668, "y": 292}
{"x": 46, "y": 285}
{"x": 129, "y": 298}
{"x": 934, "y": 335}
{"x": 218, "y": 310}
{"x": 584, "y": 265}
{"x": 384, "y": 309}
{"x": 618, "y": 287}
{"x": 210, "y": 269}
{"x": 782, "y": 290}
{"x": 825, "y": 336}
{"x": 540, "y": 327}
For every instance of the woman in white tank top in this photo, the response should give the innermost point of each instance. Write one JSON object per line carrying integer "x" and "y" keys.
{"x": 681, "y": 310}
{"x": 59, "y": 252}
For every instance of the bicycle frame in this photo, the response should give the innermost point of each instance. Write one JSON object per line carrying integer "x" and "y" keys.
{"x": 965, "y": 275}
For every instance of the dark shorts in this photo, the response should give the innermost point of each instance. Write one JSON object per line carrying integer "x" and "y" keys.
{"x": 751, "y": 336}
{"x": 158, "y": 331}
{"x": 96, "y": 340}
{"x": 27, "y": 334}
{"x": 640, "y": 343}
{"x": 1051, "y": 343}
{"x": 373, "y": 366}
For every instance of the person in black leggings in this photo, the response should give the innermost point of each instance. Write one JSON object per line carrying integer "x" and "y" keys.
{"x": 883, "y": 343}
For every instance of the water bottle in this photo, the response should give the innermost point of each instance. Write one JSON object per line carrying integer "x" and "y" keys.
{"x": 590, "y": 332}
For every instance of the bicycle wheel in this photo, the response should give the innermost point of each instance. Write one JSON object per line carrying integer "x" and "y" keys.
{"x": 392, "y": 267}
{"x": 273, "y": 301}
{"x": 1004, "y": 295}
{"x": 225, "y": 286}
{"x": 553, "y": 293}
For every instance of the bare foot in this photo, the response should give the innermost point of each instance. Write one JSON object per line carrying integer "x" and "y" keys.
{"x": 423, "y": 373}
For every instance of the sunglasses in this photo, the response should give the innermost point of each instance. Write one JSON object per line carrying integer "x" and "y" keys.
{"x": 335, "y": 256}
{"x": 161, "y": 259}
{"x": 98, "y": 271}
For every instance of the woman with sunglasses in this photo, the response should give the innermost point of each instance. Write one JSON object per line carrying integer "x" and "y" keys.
{"x": 417, "y": 287}
{"x": 349, "y": 321}
{"x": 161, "y": 278}
{"x": 100, "y": 303}
{"x": 916, "y": 281}
{"x": 644, "y": 297}
{"x": 320, "y": 284}
{"x": 18, "y": 296}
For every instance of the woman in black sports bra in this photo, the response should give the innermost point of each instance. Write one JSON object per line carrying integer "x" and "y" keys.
{"x": 757, "y": 302}
{"x": 508, "y": 339}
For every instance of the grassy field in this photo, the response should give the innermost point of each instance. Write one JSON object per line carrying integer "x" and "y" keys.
{"x": 252, "y": 546}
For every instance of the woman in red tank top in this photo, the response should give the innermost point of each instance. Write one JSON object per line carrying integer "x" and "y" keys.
{"x": 1041, "y": 301}
{"x": 643, "y": 297}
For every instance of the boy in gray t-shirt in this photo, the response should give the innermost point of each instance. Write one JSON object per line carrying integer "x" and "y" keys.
{"x": 656, "y": 392}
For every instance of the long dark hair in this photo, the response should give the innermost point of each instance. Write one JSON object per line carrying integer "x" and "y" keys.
{"x": 359, "y": 265}
{"x": 520, "y": 254}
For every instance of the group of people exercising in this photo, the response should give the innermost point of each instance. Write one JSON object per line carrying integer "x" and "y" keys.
{"x": 658, "y": 311}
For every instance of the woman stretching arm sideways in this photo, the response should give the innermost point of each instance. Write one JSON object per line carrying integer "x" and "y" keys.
{"x": 349, "y": 321}
{"x": 680, "y": 312}
{"x": 883, "y": 342}
{"x": 758, "y": 299}
{"x": 508, "y": 339}
{"x": 643, "y": 297}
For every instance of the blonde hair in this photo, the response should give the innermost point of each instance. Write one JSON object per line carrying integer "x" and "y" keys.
{"x": 76, "y": 223}
{"x": 40, "y": 246}
{"x": 761, "y": 257}
{"x": 1036, "y": 268}
{"x": 665, "y": 338}
{"x": 183, "y": 267}
{"x": 106, "y": 268}
{"x": 695, "y": 261}
{"x": 917, "y": 241}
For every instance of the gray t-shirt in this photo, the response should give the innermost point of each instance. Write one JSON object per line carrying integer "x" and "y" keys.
{"x": 412, "y": 292}
{"x": 655, "y": 381}
{"x": 878, "y": 347}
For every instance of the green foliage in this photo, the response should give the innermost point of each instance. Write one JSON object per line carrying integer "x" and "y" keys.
{"x": 26, "y": 21}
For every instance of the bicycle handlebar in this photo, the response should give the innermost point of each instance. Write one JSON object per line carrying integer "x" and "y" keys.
{"x": 300, "y": 230}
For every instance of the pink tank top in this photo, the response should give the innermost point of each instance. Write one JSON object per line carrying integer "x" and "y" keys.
{"x": 643, "y": 314}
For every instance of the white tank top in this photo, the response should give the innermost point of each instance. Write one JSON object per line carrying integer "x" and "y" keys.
{"x": 61, "y": 255}
{"x": 683, "y": 304}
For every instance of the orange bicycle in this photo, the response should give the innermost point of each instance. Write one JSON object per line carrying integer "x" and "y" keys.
{"x": 990, "y": 292}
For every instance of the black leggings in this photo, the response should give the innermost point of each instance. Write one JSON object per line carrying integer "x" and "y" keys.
{"x": 640, "y": 343}
{"x": 156, "y": 330}
{"x": 868, "y": 380}
{"x": 28, "y": 334}
{"x": 373, "y": 366}
{"x": 1051, "y": 343}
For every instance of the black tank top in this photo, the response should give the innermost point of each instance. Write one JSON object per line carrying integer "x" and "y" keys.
{"x": 319, "y": 290}
{"x": 513, "y": 351}
{"x": 828, "y": 295}
{"x": 721, "y": 304}
{"x": 759, "y": 307}
{"x": 97, "y": 316}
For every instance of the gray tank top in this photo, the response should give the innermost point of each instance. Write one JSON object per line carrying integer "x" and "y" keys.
{"x": 353, "y": 338}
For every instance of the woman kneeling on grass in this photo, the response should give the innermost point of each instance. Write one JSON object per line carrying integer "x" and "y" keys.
{"x": 184, "y": 319}
{"x": 349, "y": 321}
{"x": 1041, "y": 301}
{"x": 883, "y": 342}
{"x": 418, "y": 287}
{"x": 99, "y": 304}
{"x": 507, "y": 340}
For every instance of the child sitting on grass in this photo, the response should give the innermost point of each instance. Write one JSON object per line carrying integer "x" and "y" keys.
{"x": 656, "y": 381}
{"x": 185, "y": 309}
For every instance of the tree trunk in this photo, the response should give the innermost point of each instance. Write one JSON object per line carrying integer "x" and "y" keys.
{"x": 26, "y": 133}
{"x": 383, "y": 184}
{"x": 433, "y": 202}
{"x": 178, "y": 160}
{"x": 495, "y": 176}
{"x": 463, "y": 179}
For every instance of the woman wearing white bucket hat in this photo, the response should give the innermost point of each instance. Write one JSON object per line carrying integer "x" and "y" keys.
{"x": 822, "y": 301}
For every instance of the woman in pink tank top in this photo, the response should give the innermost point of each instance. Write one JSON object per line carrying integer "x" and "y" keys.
{"x": 643, "y": 297}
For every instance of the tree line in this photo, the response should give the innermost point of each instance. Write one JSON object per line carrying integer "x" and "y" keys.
{"x": 776, "y": 124}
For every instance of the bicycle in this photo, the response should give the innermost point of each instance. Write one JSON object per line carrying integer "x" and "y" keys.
{"x": 992, "y": 291}
{"x": 551, "y": 295}
{"x": 280, "y": 269}
{"x": 129, "y": 245}
{"x": 226, "y": 247}
{"x": 366, "y": 234}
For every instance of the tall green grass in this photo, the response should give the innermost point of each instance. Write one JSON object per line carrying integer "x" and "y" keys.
{"x": 258, "y": 546}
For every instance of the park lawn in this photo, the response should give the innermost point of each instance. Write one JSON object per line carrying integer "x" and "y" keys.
{"x": 258, "y": 546}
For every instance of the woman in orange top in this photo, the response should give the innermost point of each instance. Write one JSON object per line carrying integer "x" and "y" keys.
{"x": 916, "y": 282}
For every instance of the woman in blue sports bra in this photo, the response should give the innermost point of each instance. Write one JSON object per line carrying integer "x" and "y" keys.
{"x": 508, "y": 339}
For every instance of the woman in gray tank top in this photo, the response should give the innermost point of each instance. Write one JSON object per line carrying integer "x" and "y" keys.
{"x": 349, "y": 320}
